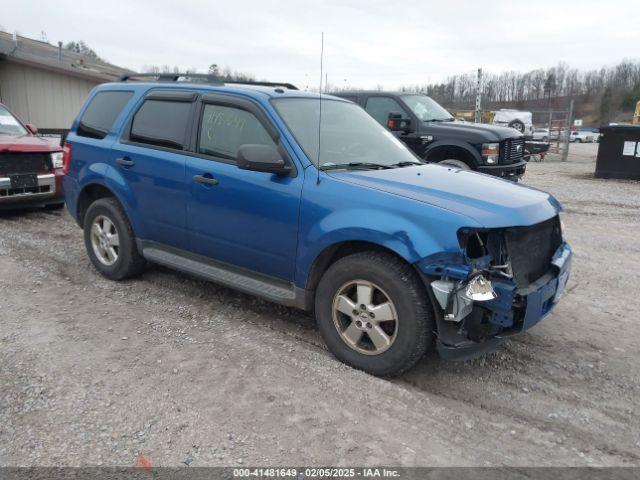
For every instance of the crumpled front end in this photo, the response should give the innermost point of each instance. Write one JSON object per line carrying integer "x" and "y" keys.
{"x": 502, "y": 282}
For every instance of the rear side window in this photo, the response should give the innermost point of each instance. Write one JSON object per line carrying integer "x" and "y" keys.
{"x": 224, "y": 129}
{"x": 99, "y": 116}
{"x": 162, "y": 123}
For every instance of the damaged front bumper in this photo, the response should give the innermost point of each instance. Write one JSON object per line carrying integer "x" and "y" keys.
{"x": 469, "y": 328}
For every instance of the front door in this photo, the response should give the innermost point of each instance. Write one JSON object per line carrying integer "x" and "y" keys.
{"x": 244, "y": 218}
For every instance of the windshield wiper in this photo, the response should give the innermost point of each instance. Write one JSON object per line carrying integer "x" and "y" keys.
{"x": 407, "y": 164}
{"x": 450, "y": 119}
{"x": 334, "y": 166}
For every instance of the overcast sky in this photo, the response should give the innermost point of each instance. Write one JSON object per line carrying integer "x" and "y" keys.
{"x": 367, "y": 42}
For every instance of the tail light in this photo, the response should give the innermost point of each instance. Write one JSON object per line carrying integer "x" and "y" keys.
{"x": 66, "y": 158}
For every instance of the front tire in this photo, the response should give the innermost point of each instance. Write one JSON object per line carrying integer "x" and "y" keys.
{"x": 110, "y": 241}
{"x": 374, "y": 314}
{"x": 452, "y": 162}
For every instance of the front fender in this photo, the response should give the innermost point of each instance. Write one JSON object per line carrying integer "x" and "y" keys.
{"x": 403, "y": 237}
{"x": 411, "y": 229}
{"x": 454, "y": 143}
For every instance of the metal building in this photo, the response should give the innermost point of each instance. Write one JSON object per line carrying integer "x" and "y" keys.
{"x": 45, "y": 84}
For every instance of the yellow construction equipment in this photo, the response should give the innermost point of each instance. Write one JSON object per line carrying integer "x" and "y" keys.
{"x": 470, "y": 115}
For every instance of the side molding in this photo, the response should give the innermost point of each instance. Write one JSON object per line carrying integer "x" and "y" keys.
{"x": 253, "y": 283}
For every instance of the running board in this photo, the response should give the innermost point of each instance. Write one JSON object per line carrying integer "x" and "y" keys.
{"x": 239, "y": 279}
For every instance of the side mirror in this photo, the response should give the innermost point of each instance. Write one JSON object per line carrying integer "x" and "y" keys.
{"x": 262, "y": 158}
{"x": 396, "y": 123}
{"x": 32, "y": 128}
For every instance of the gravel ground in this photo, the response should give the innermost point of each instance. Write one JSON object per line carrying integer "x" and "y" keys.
{"x": 186, "y": 372}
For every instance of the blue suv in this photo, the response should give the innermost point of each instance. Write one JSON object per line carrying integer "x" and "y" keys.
{"x": 311, "y": 203}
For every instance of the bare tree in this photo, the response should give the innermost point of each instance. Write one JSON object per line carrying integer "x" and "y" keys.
{"x": 81, "y": 48}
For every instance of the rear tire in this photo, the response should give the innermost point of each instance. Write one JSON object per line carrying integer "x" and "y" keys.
{"x": 452, "y": 162}
{"x": 110, "y": 241}
{"x": 397, "y": 291}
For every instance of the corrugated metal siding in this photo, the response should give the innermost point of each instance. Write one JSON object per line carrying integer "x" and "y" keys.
{"x": 46, "y": 99}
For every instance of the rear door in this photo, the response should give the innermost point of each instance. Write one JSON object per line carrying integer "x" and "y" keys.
{"x": 245, "y": 218}
{"x": 150, "y": 158}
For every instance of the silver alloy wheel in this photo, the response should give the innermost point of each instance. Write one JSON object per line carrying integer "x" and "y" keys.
{"x": 452, "y": 162}
{"x": 105, "y": 240}
{"x": 365, "y": 317}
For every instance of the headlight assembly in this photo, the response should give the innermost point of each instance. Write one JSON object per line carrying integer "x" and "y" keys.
{"x": 56, "y": 160}
{"x": 490, "y": 152}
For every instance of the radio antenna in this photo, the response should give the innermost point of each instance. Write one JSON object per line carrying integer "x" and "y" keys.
{"x": 320, "y": 100}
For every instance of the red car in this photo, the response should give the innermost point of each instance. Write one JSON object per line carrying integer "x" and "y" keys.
{"x": 31, "y": 169}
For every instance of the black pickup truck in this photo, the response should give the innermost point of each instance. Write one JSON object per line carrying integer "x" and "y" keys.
{"x": 437, "y": 137}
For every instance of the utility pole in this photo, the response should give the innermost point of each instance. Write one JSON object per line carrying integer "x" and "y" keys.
{"x": 478, "y": 117}
{"x": 568, "y": 125}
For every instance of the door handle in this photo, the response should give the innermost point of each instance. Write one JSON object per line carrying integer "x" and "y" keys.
{"x": 125, "y": 161}
{"x": 205, "y": 180}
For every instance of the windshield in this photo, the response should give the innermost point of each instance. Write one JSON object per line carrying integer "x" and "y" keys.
{"x": 349, "y": 135}
{"x": 9, "y": 125}
{"x": 426, "y": 109}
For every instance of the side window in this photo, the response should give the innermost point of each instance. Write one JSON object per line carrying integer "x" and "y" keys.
{"x": 380, "y": 108}
{"x": 223, "y": 129}
{"x": 99, "y": 116}
{"x": 162, "y": 123}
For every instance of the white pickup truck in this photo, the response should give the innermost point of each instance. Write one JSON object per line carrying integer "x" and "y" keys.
{"x": 581, "y": 136}
{"x": 518, "y": 119}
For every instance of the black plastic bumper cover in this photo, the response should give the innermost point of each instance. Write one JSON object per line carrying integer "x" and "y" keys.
{"x": 514, "y": 170}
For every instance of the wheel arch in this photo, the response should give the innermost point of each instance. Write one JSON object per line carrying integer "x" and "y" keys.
{"x": 89, "y": 193}
{"x": 458, "y": 151}
{"x": 336, "y": 251}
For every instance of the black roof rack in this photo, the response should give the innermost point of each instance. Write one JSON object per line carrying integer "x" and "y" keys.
{"x": 173, "y": 77}
{"x": 204, "y": 77}
{"x": 288, "y": 86}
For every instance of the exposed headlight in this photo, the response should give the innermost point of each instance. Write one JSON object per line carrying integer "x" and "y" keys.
{"x": 479, "y": 289}
{"x": 56, "y": 160}
{"x": 490, "y": 152}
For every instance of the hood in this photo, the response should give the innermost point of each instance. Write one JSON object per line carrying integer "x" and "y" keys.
{"x": 26, "y": 143}
{"x": 489, "y": 201}
{"x": 471, "y": 132}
